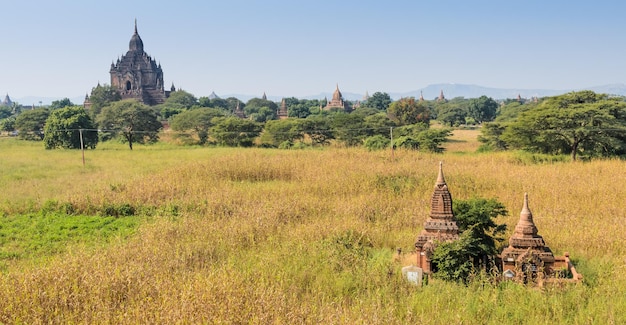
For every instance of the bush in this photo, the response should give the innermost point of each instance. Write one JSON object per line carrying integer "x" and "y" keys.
{"x": 376, "y": 142}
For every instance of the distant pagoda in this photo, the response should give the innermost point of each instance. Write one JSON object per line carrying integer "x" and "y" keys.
{"x": 283, "y": 113}
{"x": 440, "y": 226}
{"x": 337, "y": 101}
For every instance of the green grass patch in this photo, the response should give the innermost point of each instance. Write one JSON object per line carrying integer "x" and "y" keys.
{"x": 45, "y": 234}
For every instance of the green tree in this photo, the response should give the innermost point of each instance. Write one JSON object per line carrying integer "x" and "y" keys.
{"x": 378, "y": 100}
{"x": 409, "y": 111}
{"x": 451, "y": 115}
{"x": 100, "y": 97}
{"x": 263, "y": 114}
{"x": 419, "y": 137}
{"x": 198, "y": 121}
{"x": 573, "y": 123}
{"x": 65, "y": 102}
{"x": 5, "y": 111}
{"x": 30, "y": 123}
{"x": 379, "y": 124}
{"x": 235, "y": 132}
{"x": 255, "y": 104}
{"x": 181, "y": 99}
{"x": 348, "y": 128}
{"x": 64, "y": 127}
{"x": 135, "y": 122}
{"x": 431, "y": 140}
{"x": 477, "y": 243}
{"x": 491, "y": 137}
{"x": 282, "y": 132}
{"x": 318, "y": 129}
{"x": 178, "y": 101}
{"x": 376, "y": 142}
{"x": 7, "y": 124}
{"x": 482, "y": 109}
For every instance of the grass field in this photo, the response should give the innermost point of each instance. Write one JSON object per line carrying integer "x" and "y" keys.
{"x": 168, "y": 234}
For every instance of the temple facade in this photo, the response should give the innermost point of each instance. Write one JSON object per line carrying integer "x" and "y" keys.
{"x": 137, "y": 75}
{"x": 440, "y": 226}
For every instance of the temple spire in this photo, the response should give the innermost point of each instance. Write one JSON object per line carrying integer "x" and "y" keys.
{"x": 440, "y": 179}
{"x": 526, "y": 214}
{"x": 136, "y": 26}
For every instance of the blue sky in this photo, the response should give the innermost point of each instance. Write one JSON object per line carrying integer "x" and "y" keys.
{"x": 297, "y": 48}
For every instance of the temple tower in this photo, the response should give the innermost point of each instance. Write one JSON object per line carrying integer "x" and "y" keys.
{"x": 527, "y": 253}
{"x": 238, "y": 111}
{"x": 441, "y": 97}
{"x": 283, "y": 113}
{"x": 136, "y": 75}
{"x": 440, "y": 226}
{"x": 337, "y": 101}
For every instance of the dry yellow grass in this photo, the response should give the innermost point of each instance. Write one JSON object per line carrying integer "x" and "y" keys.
{"x": 270, "y": 236}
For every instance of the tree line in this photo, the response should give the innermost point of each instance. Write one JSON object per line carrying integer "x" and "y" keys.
{"x": 577, "y": 123}
{"x": 216, "y": 121}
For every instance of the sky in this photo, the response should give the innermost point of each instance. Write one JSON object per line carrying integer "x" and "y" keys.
{"x": 299, "y": 48}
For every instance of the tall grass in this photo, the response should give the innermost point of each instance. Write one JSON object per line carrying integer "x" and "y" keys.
{"x": 270, "y": 236}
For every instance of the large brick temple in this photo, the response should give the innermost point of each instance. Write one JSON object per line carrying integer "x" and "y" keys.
{"x": 137, "y": 75}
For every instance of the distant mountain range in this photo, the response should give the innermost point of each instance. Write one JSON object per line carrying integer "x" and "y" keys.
{"x": 450, "y": 90}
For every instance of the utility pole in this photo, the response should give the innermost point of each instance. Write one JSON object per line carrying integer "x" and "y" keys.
{"x": 82, "y": 146}
{"x": 391, "y": 132}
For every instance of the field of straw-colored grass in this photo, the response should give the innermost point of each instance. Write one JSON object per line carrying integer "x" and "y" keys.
{"x": 303, "y": 236}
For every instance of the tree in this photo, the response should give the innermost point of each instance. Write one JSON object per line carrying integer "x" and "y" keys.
{"x": 318, "y": 129}
{"x": 573, "y": 123}
{"x": 491, "y": 137}
{"x": 280, "y": 132}
{"x": 409, "y": 111}
{"x": 198, "y": 121}
{"x": 65, "y": 126}
{"x": 102, "y": 96}
{"x": 30, "y": 123}
{"x": 478, "y": 216}
{"x": 178, "y": 101}
{"x": 135, "y": 122}
{"x": 479, "y": 236}
{"x": 348, "y": 128}
{"x": 65, "y": 102}
{"x": 5, "y": 111}
{"x": 261, "y": 110}
{"x": 378, "y": 124}
{"x": 7, "y": 124}
{"x": 451, "y": 115}
{"x": 235, "y": 132}
{"x": 181, "y": 99}
{"x": 482, "y": 109}
{"x": 376, "y": 142}
{"x": 379, "y": 101}
{"x": 420, "y": 137}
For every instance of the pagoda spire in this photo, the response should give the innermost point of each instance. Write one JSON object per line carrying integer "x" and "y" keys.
{"x": 440, "y": 179}
{"x": 136, "y": 26}
{"x": 525, "y": 227}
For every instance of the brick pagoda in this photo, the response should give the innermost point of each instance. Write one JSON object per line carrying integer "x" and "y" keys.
{"x": 440, "y": 226}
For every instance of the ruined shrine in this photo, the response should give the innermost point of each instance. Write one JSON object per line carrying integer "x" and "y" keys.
{"x": 528, "y": 258}
{"x": 440, "y": 225}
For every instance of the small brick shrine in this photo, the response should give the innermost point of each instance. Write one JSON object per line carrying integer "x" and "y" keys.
{"x": 440, "y": 226}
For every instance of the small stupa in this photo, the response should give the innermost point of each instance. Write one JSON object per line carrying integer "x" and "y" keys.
{"x": 440, "y": 226}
